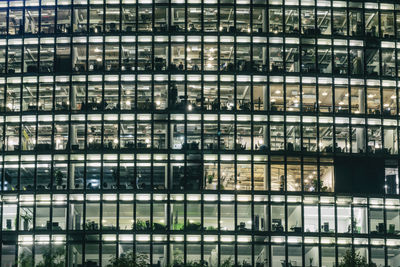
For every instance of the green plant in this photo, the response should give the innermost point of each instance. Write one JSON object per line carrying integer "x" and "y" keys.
{"x": 353, "y": 259}
{"x": 178, "y": 258}
{"x": 179, "y": 263}
{"x": 210, "y": 178}
{"x": 195, "y": 264}
{"x": 91, "y": 225}
{"x": 178, "y": 226}
{"x": 319, "y": 186}
{"x": 58, "y": 176}
{"x": 53, "y": 257}
{"x": 227, "y": 263}
{"x": 193, "y": 226}
{"x": 158, "y": 226}
{"x": 25, "y": 260}
{"x": 140, "y": 225}
{"x": 129, "y": 259}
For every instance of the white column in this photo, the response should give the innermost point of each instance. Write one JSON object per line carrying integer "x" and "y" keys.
{"x": 73, "y": 97}
{"x": 361, "y": 100}
{"x": 360, "y": 139}
{"x": 388, "y": 137}
{"x": 264, "y": 20}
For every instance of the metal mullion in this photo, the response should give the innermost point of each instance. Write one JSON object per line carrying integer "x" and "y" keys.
{"x": 319, "y": 248}
{"x": 252, "y": 161}
{"x": 351, "y": 138}
{"x": 366, "y": 127}
{"x": 333, "y": 114}
{"x": 52, "y": 142}
{"x": 152, "y": 110}
{"x": 135, "y": 162}
{"x": 269, "y": 252}
{"x": 105, "y": 5}
{"x": 22, "y": 25}
{"x": 119, "y": 125}
{"x": 316, "y": 34}
{"x": 87, "y": 36}
{"x": 153, "y": 20}
{"x": 252, "y": 229}
{"x": 19, "y": 155}
{"x": 202, "y": 225}
{"x": 7, "y": 26}
{"x": 202, "y": 231}
{"x": 169, "y": 225}
{"x": 331, "y": 10}
{"x": 303, "y": 254}
{"x": 6, "y": 65}
{"x": 286, "y": 244}
{"x": 336, "y": 228}
{"x": 151, "y": 219}
{"x": 380, "y": 35}
{"x": 185, "y": 231}
{"x": 365, "y": 115}
{"x": 397, "y": 67}
{"x": 396, "y": 28}
{"x": 69, "y": 152}
{"x": 86, "y": 153}
{"x": 152, "y": 151}
{"x": 135, "y": 112}
{"x": 381, "y": 115}
{"x": 300, "y": 33}
{"x": 118, "y": 147}
{"x": 218, "y": 122}
{"x": 102, "y": 147}
{"x": 83, "y": 241}
{"x": 52, "y": 172}
{"x": 219, "y": 230}
{"x": 135, "y": 223}
{"x": 251, "y": 7}
{"x": 386, "y": 228}
{"x": 67, "y": 226}
{"x": 168, "y": 147}
{"x": 368, "y": 229}
{"x": 2, "y": 153}
{"x": 35, "y": 168}
{"x": 268, "y": 143}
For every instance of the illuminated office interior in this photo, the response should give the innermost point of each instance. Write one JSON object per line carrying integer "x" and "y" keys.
{"x": 199, "y": 132}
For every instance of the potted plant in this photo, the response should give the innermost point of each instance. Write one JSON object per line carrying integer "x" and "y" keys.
{"x": 25, "y": 259}
{"x": 195, "y": 264}
{"x": 178, "y": 258}
{"x": 140, "y": 225}
{"x": 58, "y": 177}
{"x": 178, "y": 226}
{"x": 129, "y": 259}
{"x": 227, "y": 263}
{"x": 210, "y": 179}
{"x": 53, "y": 257}
{"x": 158, "y": 226}
{"x": 192, "y": 226}
{"x": 27, "y": 219}
{"x": 318, "y": 186}
{"x": 353, "y": 259}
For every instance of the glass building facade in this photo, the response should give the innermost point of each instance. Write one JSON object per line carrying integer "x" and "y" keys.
{"x": 221, "y": 132}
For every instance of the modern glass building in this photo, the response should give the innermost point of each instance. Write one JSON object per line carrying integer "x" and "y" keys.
{"x": 220, "y": 132}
